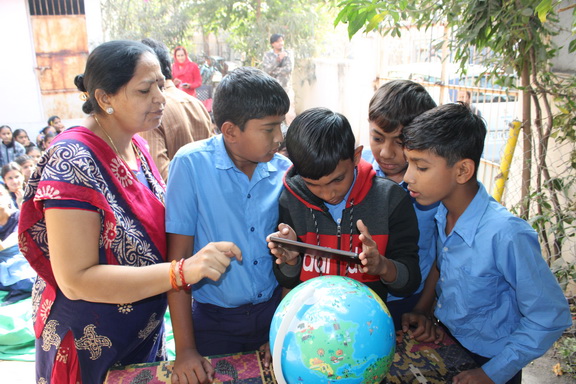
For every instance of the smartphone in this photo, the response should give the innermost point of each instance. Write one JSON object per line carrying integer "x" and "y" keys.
{"x": 316, "y": 250}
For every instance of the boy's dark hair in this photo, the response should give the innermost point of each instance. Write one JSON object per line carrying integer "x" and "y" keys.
{"x": 396, "y": 103}
{"x": 163, "y": 55}
{"x": 318, "y": 139}
{"x": 451, "y": 131}
{"x": 248, "y": 93}
{"x": 275, "y": 37}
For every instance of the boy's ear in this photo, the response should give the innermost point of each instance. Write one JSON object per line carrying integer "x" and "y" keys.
{"x": 358, "y": 154}
{"x": 465, "y": 169}
{"x": 230, "y": 131}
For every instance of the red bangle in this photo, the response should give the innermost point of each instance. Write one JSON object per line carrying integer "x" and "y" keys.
{"x": 185, "y": 285}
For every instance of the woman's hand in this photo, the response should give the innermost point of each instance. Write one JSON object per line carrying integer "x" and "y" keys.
{"x": 211, "y": 261}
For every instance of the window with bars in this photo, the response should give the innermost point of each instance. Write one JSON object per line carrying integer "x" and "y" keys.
{"x": 56, "y": 7}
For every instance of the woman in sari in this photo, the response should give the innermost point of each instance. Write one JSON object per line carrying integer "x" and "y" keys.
{"x": 92, "y": 226}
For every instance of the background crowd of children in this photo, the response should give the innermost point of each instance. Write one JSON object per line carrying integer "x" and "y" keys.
{"x": 18, "y": 159}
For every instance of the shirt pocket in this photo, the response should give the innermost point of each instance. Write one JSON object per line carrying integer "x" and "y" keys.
{"x": 480, "y": 293}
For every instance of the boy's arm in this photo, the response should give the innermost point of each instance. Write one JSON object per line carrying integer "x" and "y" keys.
{"x": 189, "y": 363}
{"x": 288, "y": 276}
{"x": 544, "y": 309}
{"x": 422, "y": 315}
{"x": 402, "y": 248}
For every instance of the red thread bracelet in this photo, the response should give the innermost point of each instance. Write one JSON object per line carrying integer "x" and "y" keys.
{"x": 185, "y": 285}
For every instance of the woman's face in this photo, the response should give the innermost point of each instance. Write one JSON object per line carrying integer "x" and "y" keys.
{"x": 180, "y": 56}
{"x": 139, "y": 105}
{"x": 14, "y": 180}
{"x": 6, "y": 135}
{"x": 23, "y": 139}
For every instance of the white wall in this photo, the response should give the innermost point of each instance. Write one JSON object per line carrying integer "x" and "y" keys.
{"x": 344, "y": 85}
{"x": 20, "y": 99}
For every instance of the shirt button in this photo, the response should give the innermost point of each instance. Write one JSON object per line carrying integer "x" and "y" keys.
{"x": 255, "y": 262}
{"x": 252, "y": 229}
{"x": 259, "y": 295}
{"x": 249, "y": 196}
{"x": 439, "y": 305}
{"x": 445, "y": 249}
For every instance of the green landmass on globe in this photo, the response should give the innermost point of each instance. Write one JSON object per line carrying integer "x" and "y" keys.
{"x": 335, "y": 358}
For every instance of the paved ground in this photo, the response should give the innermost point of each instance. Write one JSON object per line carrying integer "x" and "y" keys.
{"x": 539, "y": 372}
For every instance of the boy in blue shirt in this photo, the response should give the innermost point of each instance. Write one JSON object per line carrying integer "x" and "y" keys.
{"x": 495, "y": 293}
{"x": 393, "y": 106}
{"x": 333, "y": 198}
{"x": 227, "y": 187}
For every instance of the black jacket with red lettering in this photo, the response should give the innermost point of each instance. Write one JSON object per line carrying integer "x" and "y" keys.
{"x": 383, "y": 206}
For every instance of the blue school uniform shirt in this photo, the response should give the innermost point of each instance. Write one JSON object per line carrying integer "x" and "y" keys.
{"x": 209, "y": 198}
{"x": 496, "y": 294}
{"x": 426, "y": 226}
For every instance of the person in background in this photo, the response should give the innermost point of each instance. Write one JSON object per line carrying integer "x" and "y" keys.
{"x": 185, "y": 119}
{"x": 16, "y": 275}
{"x": 90, "y": 227}
{"x": 227, "y": 187}
{"x": 35, "y": 153}
{"x": 27, "y": 166}
{"x": 48, "y": 138}
{"x": 465, "y": 97}
{"x": 495, "y": 293}
{"x": 392, "y": 107}
{"x": 185, "y": 73}
{"x": 278, "y": 63}
{"x": 21, "y": 136}
{"x": 56, "y": 122}
{"x": 40, "y": 139}
{"x": 204, "y": 92}
{"x": 13, "y": 179}
{"x": 9, "y": 148}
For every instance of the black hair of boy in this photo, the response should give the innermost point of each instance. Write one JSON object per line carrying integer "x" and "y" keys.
{"x": 397, "y": 102}
{"x": 248, "y": 93}
{"x": 451, "y": 131}
{"x": 318, "y": 139}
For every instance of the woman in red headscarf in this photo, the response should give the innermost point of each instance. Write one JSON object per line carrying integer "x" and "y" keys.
{"x": 185, "y": 73}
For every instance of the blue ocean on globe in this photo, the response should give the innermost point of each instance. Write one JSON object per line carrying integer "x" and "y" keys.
{"x": 331, "y": 329}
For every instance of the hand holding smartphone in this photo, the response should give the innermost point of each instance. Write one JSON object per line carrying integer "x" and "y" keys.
{"x": 316, "y": 250}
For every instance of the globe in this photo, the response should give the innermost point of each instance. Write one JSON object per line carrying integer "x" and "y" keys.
{"x": 331, "y": 329}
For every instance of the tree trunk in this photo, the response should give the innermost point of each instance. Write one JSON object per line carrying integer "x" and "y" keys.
{"x": 526, "y": 141}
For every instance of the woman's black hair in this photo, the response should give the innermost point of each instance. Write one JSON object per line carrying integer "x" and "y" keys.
{"x": 110, "y": 66}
